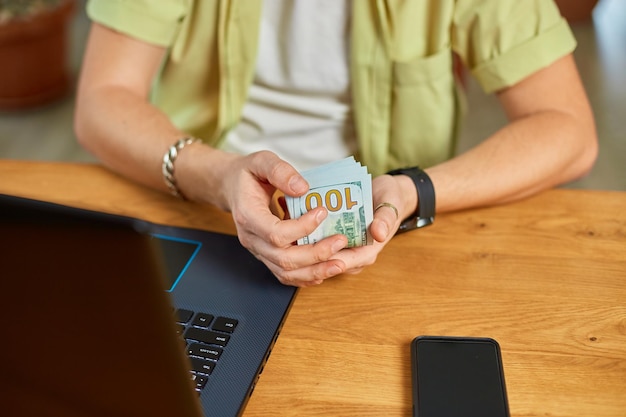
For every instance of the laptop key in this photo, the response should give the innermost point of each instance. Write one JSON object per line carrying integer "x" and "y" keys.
{"x": 202, "y": 366}
{"x": 183, "y": 316}
{"x": 224, "y": 324}
{"x": 199, "y": 380}
{"x": 202, "y": 320}
{"x": 206, "y": 336}
{"x": 204, "y": 351}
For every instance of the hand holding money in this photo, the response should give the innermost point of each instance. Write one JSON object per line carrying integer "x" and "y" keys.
{"x": 344, "y": 188}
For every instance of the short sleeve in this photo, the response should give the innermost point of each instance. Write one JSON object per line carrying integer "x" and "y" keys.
{"x": 504, "y": 41}
{"x": 152, "y": 21}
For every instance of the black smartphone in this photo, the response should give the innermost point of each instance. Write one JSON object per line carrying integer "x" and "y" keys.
{"x": 457, "y": 377}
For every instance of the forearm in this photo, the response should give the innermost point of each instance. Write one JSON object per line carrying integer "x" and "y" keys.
{"x": 115, "y": 121}
{"x": 527, "y": 156}
{"x": 125, "y": 133}
{"x": 550, "y": 140}
{"x": 130, "y": 136}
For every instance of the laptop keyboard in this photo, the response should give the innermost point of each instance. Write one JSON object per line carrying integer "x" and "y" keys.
{"x": 205, "y": 337}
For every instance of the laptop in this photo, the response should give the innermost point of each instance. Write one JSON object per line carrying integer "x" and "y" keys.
{"x": 110, "y": 315}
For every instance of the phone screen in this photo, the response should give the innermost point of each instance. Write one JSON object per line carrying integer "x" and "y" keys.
{"x": 454, "y": 376}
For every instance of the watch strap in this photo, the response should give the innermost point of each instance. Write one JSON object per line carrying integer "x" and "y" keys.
{"x": 425, "y": 213}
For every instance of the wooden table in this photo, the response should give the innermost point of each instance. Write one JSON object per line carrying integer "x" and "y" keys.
{"x": 545, "y": 277}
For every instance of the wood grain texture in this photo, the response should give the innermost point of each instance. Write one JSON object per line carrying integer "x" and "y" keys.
{"x": 545, "y": 277}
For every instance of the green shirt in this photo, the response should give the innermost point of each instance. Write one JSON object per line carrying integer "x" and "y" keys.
{"x": 406, "y": 100}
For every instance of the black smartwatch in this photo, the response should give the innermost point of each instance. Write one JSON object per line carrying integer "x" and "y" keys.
{"x": 425, "y": 213}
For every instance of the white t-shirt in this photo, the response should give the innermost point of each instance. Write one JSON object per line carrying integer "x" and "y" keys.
{"x": 299, "y": 103}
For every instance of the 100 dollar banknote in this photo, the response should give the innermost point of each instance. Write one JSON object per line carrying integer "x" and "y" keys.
{"x": 344, "y": 188}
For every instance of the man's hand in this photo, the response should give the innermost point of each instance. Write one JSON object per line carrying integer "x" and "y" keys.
{"x": 248, "y": 188}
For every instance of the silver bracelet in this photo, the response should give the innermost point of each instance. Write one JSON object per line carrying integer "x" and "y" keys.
{"x": 168, "y": 164}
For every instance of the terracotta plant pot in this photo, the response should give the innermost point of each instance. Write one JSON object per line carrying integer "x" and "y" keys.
{"x": 33, "y": 56}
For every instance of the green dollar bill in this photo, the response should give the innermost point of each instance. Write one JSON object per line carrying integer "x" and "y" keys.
{"x": 344, "y": 187}
{"x": 346, "y": 212}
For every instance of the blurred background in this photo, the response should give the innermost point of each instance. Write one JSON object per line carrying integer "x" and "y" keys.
{"x": 38, "y": 126}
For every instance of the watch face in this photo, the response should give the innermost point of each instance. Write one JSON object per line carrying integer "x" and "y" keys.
{"x": 415, "y": 223}
{"x": 408, "y": 225}
{"x": 424, "y": 221}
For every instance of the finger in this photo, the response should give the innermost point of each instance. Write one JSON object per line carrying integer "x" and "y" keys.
{"x": 385, "y": 222}
{"x": 305, "y": 263}
{"x": 354, "y": 271}
{"x": 268, "y": 166}
{"x": 307, "y": 276}
{"x": 279, "y": 234}
{"x": 301, "y": 256}
{"x": 356, "y": 259}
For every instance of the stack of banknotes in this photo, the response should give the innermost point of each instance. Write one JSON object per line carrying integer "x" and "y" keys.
{"x": 344, "y": 187}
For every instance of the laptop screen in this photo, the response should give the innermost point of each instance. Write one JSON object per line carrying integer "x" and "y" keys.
{"x": 88, "y": 328}
{"x": 110, "y": 315}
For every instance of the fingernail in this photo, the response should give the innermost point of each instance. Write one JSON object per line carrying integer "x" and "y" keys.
{"x": 321, "y": 215}
{"x": 334, "y": 270}
{"x": 298, "y": 184}
{"x": 337, "y": 246}
{"x": 385, "y": 229}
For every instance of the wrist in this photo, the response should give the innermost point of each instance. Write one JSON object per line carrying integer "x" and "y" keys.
{"x": 424, "y": 213}
{"x": 409, "y": 194}
{"x": 168, "y": 165}
{"x": 200, "y": 174}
